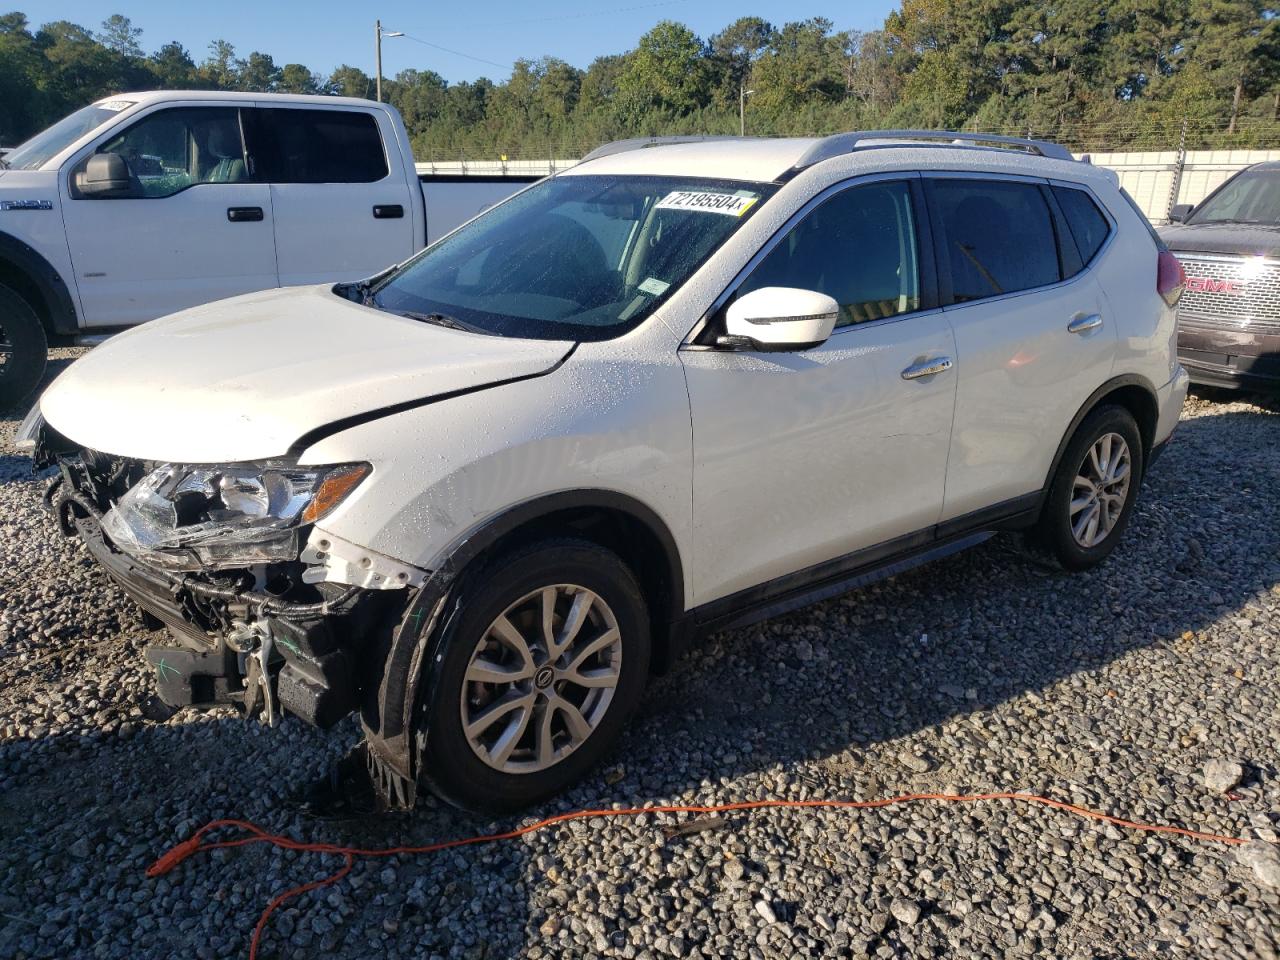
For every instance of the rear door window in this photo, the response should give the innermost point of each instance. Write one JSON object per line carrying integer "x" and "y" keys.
{"x": 997, "y": 237}
{"x": 317, "y": 146}
{"x": 1088, "y": 226}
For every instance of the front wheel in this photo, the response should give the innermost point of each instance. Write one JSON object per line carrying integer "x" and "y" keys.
{"x": 1093, "y": 491}
{"x": 545, "y": 663}
{"x": 24, "y": 350}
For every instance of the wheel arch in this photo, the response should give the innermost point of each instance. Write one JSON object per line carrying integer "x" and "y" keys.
{"x": 1136, "y": 394}
{"x": 25, "y": 271}
{"x": 614, "y": 520}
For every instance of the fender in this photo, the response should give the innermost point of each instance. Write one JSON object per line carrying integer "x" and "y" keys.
{"x": 426, "y": 626}
{"x": 56, "y": 310}
{"x": 1115, "y": 383}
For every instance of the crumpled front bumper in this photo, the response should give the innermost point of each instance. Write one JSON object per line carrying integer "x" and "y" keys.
{"x": 316, "y": 672}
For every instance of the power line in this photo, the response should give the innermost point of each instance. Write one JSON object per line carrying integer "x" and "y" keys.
{"x": 456, "y": 53}
{"x": 566, "y": 16}
{"x": 578, "y": 16}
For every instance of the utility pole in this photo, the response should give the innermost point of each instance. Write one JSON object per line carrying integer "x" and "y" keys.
{"x": 743, "y": 93}
{"x": 378, "y": 34}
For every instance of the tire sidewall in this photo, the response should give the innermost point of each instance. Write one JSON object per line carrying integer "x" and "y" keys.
{"x": 1055, "y": 527}
{"x": 26, "y": 336}
{"x": 446, "y": 763}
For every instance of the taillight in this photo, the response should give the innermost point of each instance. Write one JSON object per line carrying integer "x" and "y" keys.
{"x": 1170, "y": 278}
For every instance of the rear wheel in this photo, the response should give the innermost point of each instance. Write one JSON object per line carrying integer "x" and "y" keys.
{"x": 537, "y": 677}
{"x": 1093, "y": 491}
{"x": 24, "y": 349}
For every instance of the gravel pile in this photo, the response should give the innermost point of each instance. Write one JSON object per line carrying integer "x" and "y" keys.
{"x": 1148, "y": 688}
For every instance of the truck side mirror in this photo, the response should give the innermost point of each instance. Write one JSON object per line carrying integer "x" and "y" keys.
{"x": 1180, "y": 211}
{"x": 106, "y": 176}
{"x": 779, "y": 318}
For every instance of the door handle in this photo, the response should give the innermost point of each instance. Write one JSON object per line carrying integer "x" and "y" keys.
{"x": 388, "y": 211}
{"x": 1084, "y": 324}
{"x": 244, "y": 214}
{"x": 927, "y": 368}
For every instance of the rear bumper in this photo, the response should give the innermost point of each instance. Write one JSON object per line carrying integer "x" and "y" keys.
{"x": 1170, "y": 398}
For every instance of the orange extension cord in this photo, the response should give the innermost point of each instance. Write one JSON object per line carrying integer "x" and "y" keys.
{"x": 349, "y": 854}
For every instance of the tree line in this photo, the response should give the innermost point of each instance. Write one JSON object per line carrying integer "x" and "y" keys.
{"x": 1095, "y": 74}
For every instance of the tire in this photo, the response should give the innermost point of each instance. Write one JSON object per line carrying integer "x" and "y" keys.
{"x": 1066, "y": 535}
{"x": 514, "y": 587}
{"x": 24, "y": 349}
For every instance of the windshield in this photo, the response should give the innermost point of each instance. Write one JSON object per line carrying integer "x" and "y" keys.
{"x": 572, "y": 258}
{"x": 53, "y": 140}
{"x": 1251, "y": 197}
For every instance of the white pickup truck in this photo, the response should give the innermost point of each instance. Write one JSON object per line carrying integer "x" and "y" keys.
{"x": 146, "y": 203}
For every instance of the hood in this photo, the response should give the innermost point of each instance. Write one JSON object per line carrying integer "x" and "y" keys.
{"x": 13, "y": 180}
{"x": 1242, "y": 239}
{"x": 245, "y": 378}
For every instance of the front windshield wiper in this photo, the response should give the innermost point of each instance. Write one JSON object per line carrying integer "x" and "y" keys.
{"x": 444, "y": 320}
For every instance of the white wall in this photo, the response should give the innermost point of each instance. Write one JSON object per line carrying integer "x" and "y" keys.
{"x": 1149, "y": 177}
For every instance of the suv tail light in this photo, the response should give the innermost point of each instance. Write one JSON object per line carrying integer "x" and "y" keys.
{"x": 1170, "y": 278}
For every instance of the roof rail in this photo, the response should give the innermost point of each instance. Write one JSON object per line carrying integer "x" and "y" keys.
{"x": 639, "y": 143}
{"x": 842, "y": 143}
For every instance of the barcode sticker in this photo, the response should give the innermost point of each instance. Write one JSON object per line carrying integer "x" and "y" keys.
{"x": 653, "y": 286}
{"x": 729, "y": 204}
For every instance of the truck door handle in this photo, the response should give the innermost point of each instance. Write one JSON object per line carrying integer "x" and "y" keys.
{"x": 1084, "y": 324}
{"x": 388, "y": 211}
{"x": 244, "y": 214}
{"x": 927, "y": 368}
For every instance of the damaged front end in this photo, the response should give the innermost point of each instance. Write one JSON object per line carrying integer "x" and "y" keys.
{"x": 266, "y": 612}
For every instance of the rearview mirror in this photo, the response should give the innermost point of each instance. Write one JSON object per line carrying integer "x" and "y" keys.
{"x": 105, "y": 176}
{"x": 1180, "y": 211}
{"x": 779, "y": 318}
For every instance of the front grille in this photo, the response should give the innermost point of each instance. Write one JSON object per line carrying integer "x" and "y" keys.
{"x": 1231, "y": 291}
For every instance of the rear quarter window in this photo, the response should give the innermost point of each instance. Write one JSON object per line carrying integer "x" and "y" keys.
{"x": 1089, "y": 228}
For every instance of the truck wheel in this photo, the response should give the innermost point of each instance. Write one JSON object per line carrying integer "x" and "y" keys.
{"x": 1093, "y": 492}
{"x": 535, "y": 678}
{"x": 24, "y": 350}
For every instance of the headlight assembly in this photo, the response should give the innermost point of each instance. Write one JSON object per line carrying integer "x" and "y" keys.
{"x": 212, "y": 517}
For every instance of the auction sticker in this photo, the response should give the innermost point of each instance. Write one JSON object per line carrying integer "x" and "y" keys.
{"x": 729, "y": 204}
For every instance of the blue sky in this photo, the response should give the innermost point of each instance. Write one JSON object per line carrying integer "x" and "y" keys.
{"x": 325, "y": 33}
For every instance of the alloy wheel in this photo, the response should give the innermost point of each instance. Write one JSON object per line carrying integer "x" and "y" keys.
{"x": 541, "y": 678}
{"x": 1100, "y": 489}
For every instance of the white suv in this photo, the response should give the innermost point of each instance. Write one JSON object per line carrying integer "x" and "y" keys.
{"x": 683, "y": 385}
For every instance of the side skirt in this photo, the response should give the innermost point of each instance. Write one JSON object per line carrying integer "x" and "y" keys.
{"x": 856, "y": 570}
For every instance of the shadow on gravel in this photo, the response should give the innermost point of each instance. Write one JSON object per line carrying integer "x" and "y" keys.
{"x": 837, "y": 684}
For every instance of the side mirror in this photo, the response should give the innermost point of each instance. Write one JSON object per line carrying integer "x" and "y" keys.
{"x": 1180, "y": 211}
{"x": 106, "y": 175}
{"x": 779, "y": 318}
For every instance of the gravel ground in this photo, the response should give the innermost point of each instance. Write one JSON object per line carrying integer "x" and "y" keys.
{"x": 983, "y": 672}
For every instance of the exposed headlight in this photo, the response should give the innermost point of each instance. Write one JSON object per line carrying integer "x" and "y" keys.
{"x": 209, "y": 518}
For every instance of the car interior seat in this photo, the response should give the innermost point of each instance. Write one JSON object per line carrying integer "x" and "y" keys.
{"x": 224, "y": 148}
